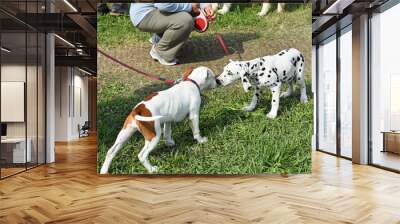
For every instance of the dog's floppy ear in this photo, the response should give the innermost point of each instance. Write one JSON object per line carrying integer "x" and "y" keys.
{"x": 187, "y": 72}
{"x": 210, "y": 74}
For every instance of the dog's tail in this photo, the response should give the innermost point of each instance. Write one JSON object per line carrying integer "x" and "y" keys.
{"x": 141, "y": 118}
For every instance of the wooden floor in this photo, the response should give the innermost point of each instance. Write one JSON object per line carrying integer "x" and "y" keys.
{"x": 70, "y": 191}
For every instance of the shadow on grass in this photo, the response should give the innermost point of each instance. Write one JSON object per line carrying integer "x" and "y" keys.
{"x": 206, "y": 47}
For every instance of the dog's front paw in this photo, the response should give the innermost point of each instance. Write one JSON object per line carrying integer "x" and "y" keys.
{"x": 262, "y": 14}
{"x": 285, "y": 94}
{"x": 104, "y": 170}
{"x": 248, "y": 108}
{"x": 271, "y": 115}
{"x": 170, "y": 143}
{"x": 153, "y": 169}
{"x": 202, "y": 139}
{"x": 303, "y": 99}
{"x": 222, "y": 11}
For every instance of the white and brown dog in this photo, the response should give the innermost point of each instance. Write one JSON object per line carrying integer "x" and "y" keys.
{"x": 164, "y": 107}
{"x": 269, "y": 71}
{"x": 265, "y": 8}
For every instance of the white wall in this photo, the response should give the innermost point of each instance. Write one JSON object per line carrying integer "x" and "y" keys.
{"x": 70, "y": 83}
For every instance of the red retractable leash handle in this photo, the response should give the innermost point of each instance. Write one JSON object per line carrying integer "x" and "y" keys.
{"x": 148, "y": 75}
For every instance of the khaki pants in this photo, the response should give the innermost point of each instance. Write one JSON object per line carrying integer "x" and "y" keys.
{"x": 173, "y": 28}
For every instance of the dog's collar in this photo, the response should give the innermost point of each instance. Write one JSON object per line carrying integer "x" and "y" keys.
{"x": 194, "y": 82}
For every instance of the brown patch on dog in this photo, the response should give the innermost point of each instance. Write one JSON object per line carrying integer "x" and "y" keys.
{"x": 145, "y": 127}
{"x": 150, "y": 96}
{"x": 129, "y": 119}
{"x": 187, "y": 72}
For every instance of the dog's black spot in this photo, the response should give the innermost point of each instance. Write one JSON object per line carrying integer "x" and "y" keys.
{"x": 282, "y": 53}
{"x": 301, "y": 64}
{"x": 261, "y": 74}
{"x": 269, "y": 76}
{"x": 240, "y": 65}
{"x": 294, "y": 62}
{"x": 248, "y": 63}
{"x": 261, "y": 63}
{"x": 299, "y": 69}
{"x": 246, "y": 74}
{"x": 284, "y": 72}
{"x": 302, "y": 57}
{"x": 273, "y": 101}
{"x": 263, "y": 69}
{"x": 275, "y": 70}
{"x": 244, "y": 80}
{"x": 298, "y": 78}
{"x": 249, "y": 88}
{"x": 298, "y": 58}
{"x": 269, "y": 71}
{"x": 257, "y": 95}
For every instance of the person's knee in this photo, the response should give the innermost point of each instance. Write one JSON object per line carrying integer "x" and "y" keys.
{"x": 184, "y": 21}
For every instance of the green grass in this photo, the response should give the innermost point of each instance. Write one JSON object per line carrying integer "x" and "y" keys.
{"x": 239, "y": 142}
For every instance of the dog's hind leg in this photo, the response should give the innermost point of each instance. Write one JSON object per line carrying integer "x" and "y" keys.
{"x": 214, "y": 6}
{"x": 149, "y": 146}
{"x": 254, "y": 100}
{"x": 123, "y": 136}
{"x": 225, "y": 8}
{"x": 168, "y": 135}
{"x": 265, "y": 9}
{"x": 281, "y": 7}
{"x": 289, "y": 91}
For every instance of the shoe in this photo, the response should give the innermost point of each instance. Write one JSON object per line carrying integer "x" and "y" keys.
{"x": 154, "y": 54}
{"x": 118, "y": 9}
{"x": 154, "y": 39}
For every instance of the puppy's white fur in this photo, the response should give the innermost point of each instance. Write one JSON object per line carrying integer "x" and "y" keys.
{"x": 265, "y": 8}
{"x": 269, "y": 71}
{"x": 171, "y": 105}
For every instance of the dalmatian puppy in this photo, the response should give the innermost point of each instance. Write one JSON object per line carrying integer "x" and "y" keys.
{"x": 163, "y": 108}
{"x": 270, "y": 71}
{"x": 265, "y": 8}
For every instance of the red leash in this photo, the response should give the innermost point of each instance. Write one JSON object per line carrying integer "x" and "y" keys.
{"x": 166, "y": 81}
{"x": 222, "y": 42}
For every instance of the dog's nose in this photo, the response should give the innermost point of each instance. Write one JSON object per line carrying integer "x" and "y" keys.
{"x": 218, "y": 82}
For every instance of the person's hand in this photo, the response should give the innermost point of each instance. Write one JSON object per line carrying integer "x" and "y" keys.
{"x": 210, "y": 14}
{"x": 195, "y": 9}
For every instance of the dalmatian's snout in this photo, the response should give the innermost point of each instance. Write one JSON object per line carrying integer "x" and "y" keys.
{"x": 218, "y": 82}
